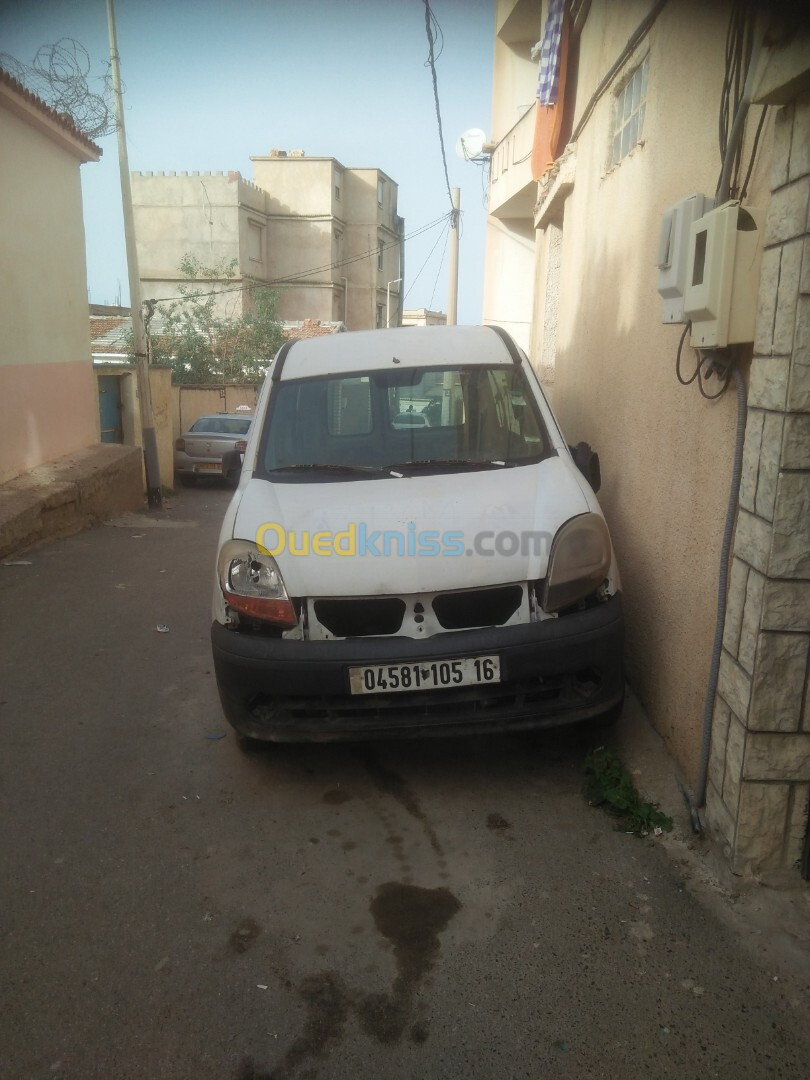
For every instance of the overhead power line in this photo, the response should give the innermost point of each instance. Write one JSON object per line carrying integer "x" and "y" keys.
{"x": 427, "y": 260}
{"x": 313, "y": 270}
{"x": 433, "y": 30}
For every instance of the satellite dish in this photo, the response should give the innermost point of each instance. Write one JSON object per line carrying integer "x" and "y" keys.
{"x": 470, "y": 144}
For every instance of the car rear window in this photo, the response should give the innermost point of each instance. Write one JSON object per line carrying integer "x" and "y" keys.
{"x": 221, "y": 425}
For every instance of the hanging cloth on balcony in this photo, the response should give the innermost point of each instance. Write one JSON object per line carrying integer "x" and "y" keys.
{"x": 549, "y": 78}
{"x": 553, "y": 52}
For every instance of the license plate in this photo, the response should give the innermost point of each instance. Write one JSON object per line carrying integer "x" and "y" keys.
{"x": 428, "y": 675}
{"x": 208, "y": 466}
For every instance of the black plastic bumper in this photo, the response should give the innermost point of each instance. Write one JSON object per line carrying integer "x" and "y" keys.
{"x": 559, "y": 671}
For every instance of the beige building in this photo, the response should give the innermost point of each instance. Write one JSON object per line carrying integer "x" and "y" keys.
{"x": 576, "y": 201}
{"x": 327, "y": 238}
{"x": 423, "y": 317}
{"x": 47, "y": 390}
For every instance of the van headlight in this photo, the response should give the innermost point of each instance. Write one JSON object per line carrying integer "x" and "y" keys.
{"x": 252, "y": 584}
{"x": 579, "y": 562}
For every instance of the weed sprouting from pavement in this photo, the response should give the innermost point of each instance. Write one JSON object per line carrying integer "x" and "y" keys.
{"x": 608, "y": 784}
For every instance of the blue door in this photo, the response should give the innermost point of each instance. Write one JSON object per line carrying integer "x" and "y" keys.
{"x": 109, "y": 408}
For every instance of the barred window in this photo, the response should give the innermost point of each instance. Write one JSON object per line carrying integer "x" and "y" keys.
{"x": 628, "y": 116}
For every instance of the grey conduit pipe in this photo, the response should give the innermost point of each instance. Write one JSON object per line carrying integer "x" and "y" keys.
{"x": 722, "y": 590}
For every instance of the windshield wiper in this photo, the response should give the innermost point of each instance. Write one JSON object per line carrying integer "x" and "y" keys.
{"x": 330, "y": 467}
{"x": 464, "y": 463}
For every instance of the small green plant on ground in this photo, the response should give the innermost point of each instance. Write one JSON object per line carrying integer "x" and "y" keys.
{"x": 608, "y": 784}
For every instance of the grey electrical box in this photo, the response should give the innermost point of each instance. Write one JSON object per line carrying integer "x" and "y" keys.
{"x": 673, "y": 253}
{"x": 725, "y": 252}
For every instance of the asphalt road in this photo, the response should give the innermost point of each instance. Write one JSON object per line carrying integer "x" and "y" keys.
{"x": 173, "y": 907}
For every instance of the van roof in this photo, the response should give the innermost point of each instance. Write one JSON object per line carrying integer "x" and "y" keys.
{"x": 412, "y": 346}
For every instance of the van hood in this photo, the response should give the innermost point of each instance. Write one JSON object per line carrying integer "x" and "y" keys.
{"x": 487, "y": 528}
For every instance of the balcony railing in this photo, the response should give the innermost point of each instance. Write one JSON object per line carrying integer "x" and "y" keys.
{"x": 512, "y": 192}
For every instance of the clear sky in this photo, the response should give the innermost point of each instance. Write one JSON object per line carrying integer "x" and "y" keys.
{"x": 211, "y": 82}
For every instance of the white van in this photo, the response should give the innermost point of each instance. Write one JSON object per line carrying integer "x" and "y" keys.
{"x": 381, "y": 578}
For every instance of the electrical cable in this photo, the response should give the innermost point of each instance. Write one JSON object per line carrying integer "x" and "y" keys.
{"x": 634, "y": 39}
{"x": 694, "y": 375}
{"x": 760, "y": 125}
{"x": 424, "y": 264}
{"x": 698, "y": 372}
{"x": 746, "y": 56}
{"x": 430, "y": 22}
{"x": 441, "y": 264}
{"x": 313, "y": 270}
{"x": 725, "y": 377}
{"x": 722, "y": 589}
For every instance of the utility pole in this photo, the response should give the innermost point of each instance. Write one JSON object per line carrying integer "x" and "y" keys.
{"x": 150, "y": 454}
{"x": 452, "y": 292}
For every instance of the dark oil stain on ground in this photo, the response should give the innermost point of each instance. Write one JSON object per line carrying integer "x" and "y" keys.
{"x": 391, "y": 783}
{"x": 248, "y": 1071}
{"x": 328, "y": 1004}
{"x": 337, "y": 796}
{"x": 244, "y": 935}
{"x": 411, "y": 919}
{"x": 497, "y": 821}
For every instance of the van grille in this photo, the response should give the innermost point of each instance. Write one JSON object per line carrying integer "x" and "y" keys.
{"x": 361, "y": 618}
{"x": 477, "y": 607}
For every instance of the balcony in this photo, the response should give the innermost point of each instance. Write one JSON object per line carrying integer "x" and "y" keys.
{"x": 512, "y": 192}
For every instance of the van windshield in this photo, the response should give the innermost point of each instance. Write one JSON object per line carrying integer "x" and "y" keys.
{"x": 357, "y": 424}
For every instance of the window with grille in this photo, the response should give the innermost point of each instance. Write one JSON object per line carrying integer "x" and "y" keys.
{"x": 629, "y": 108}
{"x": 254, "y": 241}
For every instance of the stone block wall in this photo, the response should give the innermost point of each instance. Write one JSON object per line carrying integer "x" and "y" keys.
{"x": 759, "y": 771}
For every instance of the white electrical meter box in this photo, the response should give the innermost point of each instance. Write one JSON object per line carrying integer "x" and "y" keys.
{"x": 673, "y": 253}
{"x": 725, "y": 252}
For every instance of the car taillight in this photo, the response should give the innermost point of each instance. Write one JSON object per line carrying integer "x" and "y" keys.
{"x": 179, "y": 444}
{"x": 240, "y": 446}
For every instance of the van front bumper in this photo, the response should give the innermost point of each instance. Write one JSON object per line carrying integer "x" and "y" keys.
{"x": 559, "y": 671}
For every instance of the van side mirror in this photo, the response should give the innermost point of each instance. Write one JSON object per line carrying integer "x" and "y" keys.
{"x": 587, "y": 461}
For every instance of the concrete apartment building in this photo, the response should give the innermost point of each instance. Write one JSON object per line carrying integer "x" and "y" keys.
{"x": 327, "y": 238}
{"x": 577, "y": 195}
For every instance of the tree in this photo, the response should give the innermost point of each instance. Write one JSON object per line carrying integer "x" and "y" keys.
{"x": 193, "y": 337}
